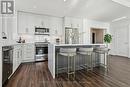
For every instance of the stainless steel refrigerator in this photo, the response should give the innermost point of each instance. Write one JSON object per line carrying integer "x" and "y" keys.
{"x": 71, "y": 36}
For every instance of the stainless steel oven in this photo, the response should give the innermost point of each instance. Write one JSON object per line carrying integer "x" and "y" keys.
{"x": 41, "y": 51}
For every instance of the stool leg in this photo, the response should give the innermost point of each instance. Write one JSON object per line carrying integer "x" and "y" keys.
{"x": 107, "y": 62}
{"x": 74, "y": 67}
{"x": 87, "y": 64}
{"x": 57, "y": 64}
{"x": 91, "y": 62}
{"x": 78, "y": 62}
{"x": 68, "y": 67}
{"x": 95, "y": 60}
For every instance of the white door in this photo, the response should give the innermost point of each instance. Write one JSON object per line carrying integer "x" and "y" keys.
{"x": 122, "y": 40}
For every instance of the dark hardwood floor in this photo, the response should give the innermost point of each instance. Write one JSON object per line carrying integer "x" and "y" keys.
{"x": 38, "y": 75}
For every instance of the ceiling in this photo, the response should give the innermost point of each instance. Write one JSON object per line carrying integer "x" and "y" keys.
{"x": 100, "y": 10}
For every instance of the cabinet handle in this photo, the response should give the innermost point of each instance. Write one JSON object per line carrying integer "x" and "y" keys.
{"x": 77, "y": 25}
{"x": 71, "y": 25}
{"x": 18, "y": 55}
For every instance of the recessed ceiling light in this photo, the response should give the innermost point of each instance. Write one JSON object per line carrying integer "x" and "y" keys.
{"x": 64, "y": 0}
{"x": 34, "y": 6}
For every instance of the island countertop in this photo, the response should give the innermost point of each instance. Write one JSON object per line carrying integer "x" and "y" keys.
{"x": 79, "y": 45}
{"x": 52, "y": 53}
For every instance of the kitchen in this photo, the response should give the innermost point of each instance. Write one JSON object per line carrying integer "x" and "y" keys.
{"x": 34, "y": 37}
{"x": 35, "y": 32}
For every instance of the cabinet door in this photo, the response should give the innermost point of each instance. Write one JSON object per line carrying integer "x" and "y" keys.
{"x": 67, "y": 22}
{"x": 28, "y": 53}
{"x": 74, "y": 23}
{"x": 17, "y": 56}
{"x": 31, "y": 24}
{"x": 46, "y": 22}
{"x": 14, "y": 59}
{"x": 22, "y": 23}
{"x": 20, "y": 55}
{"x": 56, "y": 26}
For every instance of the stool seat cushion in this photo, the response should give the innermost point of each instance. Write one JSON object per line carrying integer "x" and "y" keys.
{"x": 102, "y": 49}
{"x": 68, "y": 50}
{"x": 67, "y": 54}
{"x": 85, "y": 53}
{"x": 85, "y": 49}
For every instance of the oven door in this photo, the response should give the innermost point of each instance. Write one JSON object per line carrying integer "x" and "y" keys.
{"x": 41, "y": 53}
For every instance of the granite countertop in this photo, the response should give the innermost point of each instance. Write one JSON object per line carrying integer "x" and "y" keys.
{"x": 79, "y": 44}
{"x": 13, "y": 44}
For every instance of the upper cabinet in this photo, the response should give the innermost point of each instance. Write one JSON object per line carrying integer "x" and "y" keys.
{"x": 28, "y": 21}
{"x": 72, "y": 22}
{"x": 56, "y": 26}
{"x": 67, "y": 22}
{"x": 45, "y": 22}
{"x": 22, "y": 23}
{"x": 41, "y": 21}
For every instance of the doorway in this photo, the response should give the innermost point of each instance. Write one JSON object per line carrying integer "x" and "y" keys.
{"x": 97, "y": 36}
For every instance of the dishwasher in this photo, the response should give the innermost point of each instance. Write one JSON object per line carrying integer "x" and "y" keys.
{"x": 7, "y": 63}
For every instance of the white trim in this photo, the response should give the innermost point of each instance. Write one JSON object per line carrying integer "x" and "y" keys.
{"x": 129, "y": 41}
{"x": 118, "y": 19}
{"x": 123, "y": 2}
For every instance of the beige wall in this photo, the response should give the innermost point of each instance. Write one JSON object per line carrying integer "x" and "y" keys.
{"x": 99, "y": 35}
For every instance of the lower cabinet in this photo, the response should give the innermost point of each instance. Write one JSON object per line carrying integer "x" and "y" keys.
{"x": 17, "y": 56}
{"x": 23, "y": 53}
{"x": 28, "y": 53}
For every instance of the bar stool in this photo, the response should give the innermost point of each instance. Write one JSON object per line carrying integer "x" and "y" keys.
{"x": 70, "y": 53}
{"x": 103, "y": 51}
{"x": 87, "y": 52}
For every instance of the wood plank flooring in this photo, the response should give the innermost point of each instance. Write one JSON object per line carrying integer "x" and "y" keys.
{"x": 38, "y": 75}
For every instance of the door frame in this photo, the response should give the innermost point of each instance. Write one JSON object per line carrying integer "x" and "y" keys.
{"x": 104, "y": 32}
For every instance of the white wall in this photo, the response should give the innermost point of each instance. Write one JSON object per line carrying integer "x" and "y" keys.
{"x": 0, "y": 51}
{"x": 121, "y": 37}
{"x": 9, "y": 23}
{"x": 88, "y": 24}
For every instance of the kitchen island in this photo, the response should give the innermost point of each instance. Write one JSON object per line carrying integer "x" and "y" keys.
{"x": 52, "y": 51}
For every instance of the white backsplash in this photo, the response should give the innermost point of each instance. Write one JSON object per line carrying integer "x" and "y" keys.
{"x": 41, "y": 38}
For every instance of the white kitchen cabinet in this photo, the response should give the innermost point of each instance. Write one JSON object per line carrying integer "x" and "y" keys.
{"x": 17, "y": 56}
{"x": 45, "y": 21}
{"x": 28, "y": 21}
{"x": 56, "y": 26}
{"x": 22, "y": 53}
{"x": 56, "y": 29}
{"x": 67, "y": 22}
{"x": 37, "y": 20}
{"x": 30, "y": 24}
{"x": 72, "y": 22}
{"x": 28, "y": 52}
{"x": 75, "y": 23}
{"x": 22, "y": 23}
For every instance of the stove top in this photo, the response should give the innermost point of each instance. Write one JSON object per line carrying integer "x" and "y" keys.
{"x": 42, "y": 42}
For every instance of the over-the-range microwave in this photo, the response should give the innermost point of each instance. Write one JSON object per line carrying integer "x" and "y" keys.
{"x": 40, "y": 31}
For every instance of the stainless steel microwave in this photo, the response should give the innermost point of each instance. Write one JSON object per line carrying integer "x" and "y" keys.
{"x": 41, "y": 31}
